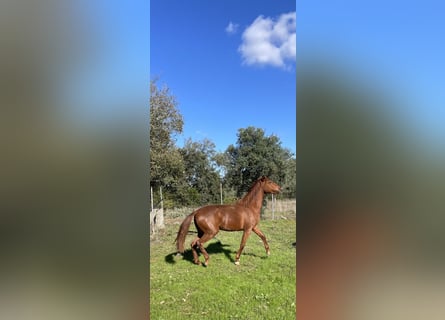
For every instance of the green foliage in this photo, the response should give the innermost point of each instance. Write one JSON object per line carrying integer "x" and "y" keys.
{"x": 289, "y": 185}
{"x": 260, "y": 288}
{"x": 253, "y": 156}
{"x": 169, "y": 203}
{"x": 166, "y": 163}
{"x": 200, "y": 172}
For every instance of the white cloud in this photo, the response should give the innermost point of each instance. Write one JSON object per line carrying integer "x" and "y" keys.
{"x": 201, "y": 133}
{"x": 270, "y": 42}
{"x": 232, "y": 28}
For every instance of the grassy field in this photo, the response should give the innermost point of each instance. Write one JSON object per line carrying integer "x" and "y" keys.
{"x": 260, "y": 287}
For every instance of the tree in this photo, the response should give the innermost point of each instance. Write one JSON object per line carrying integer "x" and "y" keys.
{"x": 200, "y": 171}
{"x": 289, "y": 185}
{"x": 166, "y": 122}
{"x": 253, "y": 156}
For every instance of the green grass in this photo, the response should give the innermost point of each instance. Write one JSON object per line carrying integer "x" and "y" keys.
{"x": 260, "y": 287}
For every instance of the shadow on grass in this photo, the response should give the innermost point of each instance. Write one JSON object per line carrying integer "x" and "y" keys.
{"x": 212, "y": 248}
{"x": 254, "y": 255}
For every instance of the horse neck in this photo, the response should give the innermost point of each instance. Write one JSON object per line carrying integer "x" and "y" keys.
{"x": 258, "y": 202}
{"x": 254, "y": 199}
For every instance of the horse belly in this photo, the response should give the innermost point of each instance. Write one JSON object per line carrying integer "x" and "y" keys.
{"x": 232, "y": 222}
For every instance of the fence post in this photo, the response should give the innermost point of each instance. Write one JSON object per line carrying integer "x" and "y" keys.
{"x": 160, "y": 213}
{"x": 220, "y": 191}
{"x": 152, "y": 213}
{"x": 273, "y": 208}
{"x": 151, "y": 197}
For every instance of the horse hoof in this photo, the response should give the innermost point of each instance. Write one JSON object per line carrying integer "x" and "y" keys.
{"x": 268, "y": 253}
{"x": 237, "y": 263}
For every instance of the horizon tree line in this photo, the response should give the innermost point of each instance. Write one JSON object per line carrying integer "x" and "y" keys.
{"x": 194, "y": 174}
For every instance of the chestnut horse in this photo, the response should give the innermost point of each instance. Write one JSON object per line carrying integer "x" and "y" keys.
{"x": 244, "y": 215}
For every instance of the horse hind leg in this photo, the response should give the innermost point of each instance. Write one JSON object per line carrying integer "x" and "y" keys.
{"x": 195, "y": 243}
{"x": 206, "y": 237}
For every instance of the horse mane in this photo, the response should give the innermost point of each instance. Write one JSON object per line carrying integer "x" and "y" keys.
{"x": 251, "y": 194}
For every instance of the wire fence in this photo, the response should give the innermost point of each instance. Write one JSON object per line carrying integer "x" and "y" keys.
{"x": 280, "y": 209}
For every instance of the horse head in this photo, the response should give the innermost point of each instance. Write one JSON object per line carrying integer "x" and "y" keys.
{"x": 269, "y": 186}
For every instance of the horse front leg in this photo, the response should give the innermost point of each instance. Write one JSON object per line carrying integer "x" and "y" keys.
{"x": 263, "y": 237}
{"x": 246, "y": 235}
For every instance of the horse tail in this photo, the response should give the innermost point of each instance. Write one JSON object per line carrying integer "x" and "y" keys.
{"x": 183, "y": 229}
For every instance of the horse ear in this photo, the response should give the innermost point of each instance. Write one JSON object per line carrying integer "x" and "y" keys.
{"x": 263, "y": 178}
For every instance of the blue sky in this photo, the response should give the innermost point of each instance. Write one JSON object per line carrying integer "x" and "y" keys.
{"x": 196, "y": 54}
{"x": 393, "y": 45}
